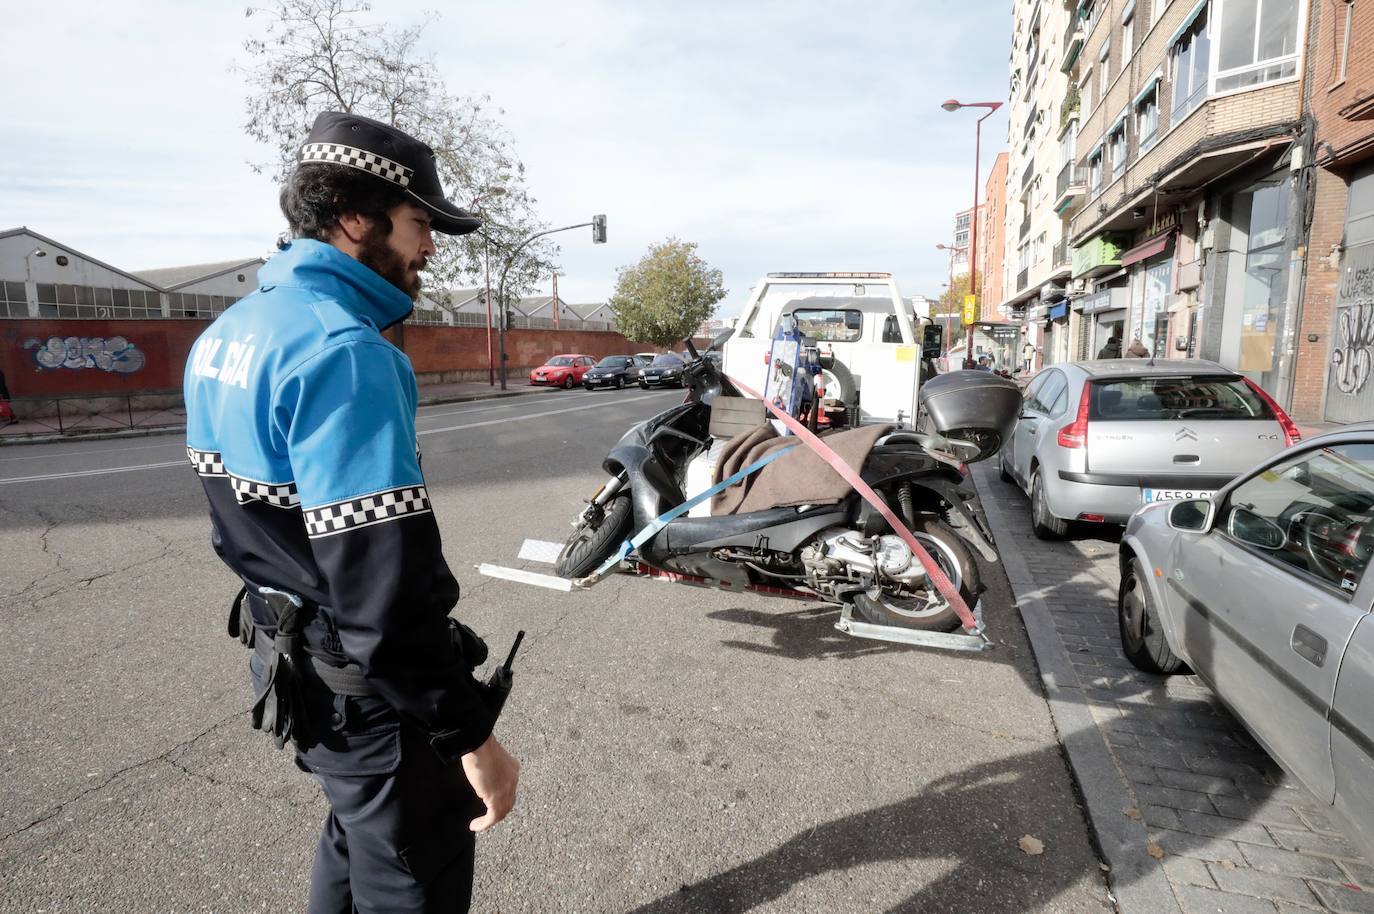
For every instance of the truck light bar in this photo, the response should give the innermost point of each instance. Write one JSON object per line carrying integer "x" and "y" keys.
{"x": 829, "y": 275}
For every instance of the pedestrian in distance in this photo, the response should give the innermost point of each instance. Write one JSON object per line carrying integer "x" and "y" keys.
{"x": 1028, "y": 351}
{"x": 1137, "y": 350}
{"x": 1111, "y": 349}
{"x": 301, "y": 426}
{"x": 985, "y": 363}
{"x": 6, "y": 411}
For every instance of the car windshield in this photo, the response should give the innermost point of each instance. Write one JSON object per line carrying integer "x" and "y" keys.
{"x": 1143, "y": 399}
{"x": 667, "y": 360}
{"x": 840, "y": 325}
{"x": 612, "y": 361}
{"x": 558, "y": 361}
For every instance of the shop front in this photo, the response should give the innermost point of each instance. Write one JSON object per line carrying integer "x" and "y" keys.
{"x": 1104, "y": 314}
{"x": 1057, "y": 346}
{"x": 1151, "y": 266}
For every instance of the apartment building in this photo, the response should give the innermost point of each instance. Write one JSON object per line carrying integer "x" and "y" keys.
{"x": 992, "y": 239}
{"x": 1036, "y": 251}
{"x": 1182, "y": 213}
{"x": 1335, "y": 340}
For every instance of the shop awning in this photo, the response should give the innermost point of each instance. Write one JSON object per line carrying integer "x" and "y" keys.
{"x": 1149, "y": 87}
{"x": 1148, "y": 248}
{"x": 1058, "y": 311}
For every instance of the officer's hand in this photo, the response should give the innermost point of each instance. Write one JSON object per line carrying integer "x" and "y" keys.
{"x": 493, "y": 773}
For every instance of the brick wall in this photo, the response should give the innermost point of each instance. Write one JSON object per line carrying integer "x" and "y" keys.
{"x": 994, "y": 253}
{"x": 1319, "y": 294}
{"x": 46, "y": 358}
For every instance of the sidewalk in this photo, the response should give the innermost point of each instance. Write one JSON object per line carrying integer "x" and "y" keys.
{"x": 1189, "y": 812}
{"x": 137, "y": 423}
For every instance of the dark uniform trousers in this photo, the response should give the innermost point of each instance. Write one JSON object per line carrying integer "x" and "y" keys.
{"x": 396, "y": 838}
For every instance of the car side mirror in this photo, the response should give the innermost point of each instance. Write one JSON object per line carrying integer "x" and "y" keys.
{"x": 1256, "y": 530}
{"x": 1194, "y": 515}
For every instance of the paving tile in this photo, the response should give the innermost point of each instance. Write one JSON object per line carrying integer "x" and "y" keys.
{"x": 1188, "y": 872}
{"x": 1265, "y": 811}
{"x": 1286, "y": 863}
{"x": 1175, "y": 798}
{"x": 1202, "y": 783}
{"x": 1162, "y": 817}
{"x": 1246, "y": 881}
{"x": 1221, "y": 827}
{"x": 1197, "y": 847}
{"x": 1346, "y": 901}
{"x": 1139, "y": 774}
{"x": 1224, "y": 767}
{"x": 1323, "y": 845}
{"x": 1194, "y": 900}
{"x": 1137, "y": 755}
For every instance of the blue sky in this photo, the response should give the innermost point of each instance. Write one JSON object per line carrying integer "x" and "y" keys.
{"x": 778, "y": 136}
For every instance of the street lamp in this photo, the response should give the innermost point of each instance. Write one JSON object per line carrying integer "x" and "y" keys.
{"x": 953, "y": 105}
{"x": 486, "y": 194}
{"x": 953, "y": 305}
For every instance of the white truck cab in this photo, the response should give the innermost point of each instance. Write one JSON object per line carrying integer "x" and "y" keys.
{"x": 860, "y": 317}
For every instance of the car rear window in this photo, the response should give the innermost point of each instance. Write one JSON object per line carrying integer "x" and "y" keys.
{"x": 612, "y": 361}
{"x": 667, "y": 360}
{"x": 838, "y": 326}
{"x": 1202, "y": 398}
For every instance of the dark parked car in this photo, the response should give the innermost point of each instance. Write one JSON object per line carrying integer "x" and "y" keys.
{"x": 666, "y": 371}
{"x": 612, "y": 371}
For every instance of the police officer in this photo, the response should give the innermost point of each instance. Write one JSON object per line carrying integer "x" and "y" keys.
{"x": 301, "y": 425}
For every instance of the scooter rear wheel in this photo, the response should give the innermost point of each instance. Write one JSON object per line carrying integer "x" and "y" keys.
{"x": 950, "y": 552}
{"x": 592, "y": 544}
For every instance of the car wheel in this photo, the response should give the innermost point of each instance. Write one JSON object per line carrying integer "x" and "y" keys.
{"x": 619, "y": 383}
{"x": 567, "y": 382}
{"x": 593, "y": 542}
{"x": 1142, "y": 636}
{"x": 643, "y": 385}
{"x": 1044, "y": 524}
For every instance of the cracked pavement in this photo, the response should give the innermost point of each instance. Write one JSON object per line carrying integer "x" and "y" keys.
{"x": 682, "y": 749}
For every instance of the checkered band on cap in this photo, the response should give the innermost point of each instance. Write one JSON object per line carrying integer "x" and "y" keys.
{"x": 338, "y": 154}
{"x": 377, "y": 508}
{"x": 207, "y": 463}
{"x": 279, "y": 495}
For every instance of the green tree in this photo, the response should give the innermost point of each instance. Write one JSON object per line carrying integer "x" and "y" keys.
{"x": 326, "y": 55}
{"x": 664, "y": 298}
{"x": 952, "y": 301}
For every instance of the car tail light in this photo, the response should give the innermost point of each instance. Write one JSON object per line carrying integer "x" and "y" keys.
{"x": 1093, "y": 518}
{"x": 1075, "y": 434}
{"x": 1290, "y": 429}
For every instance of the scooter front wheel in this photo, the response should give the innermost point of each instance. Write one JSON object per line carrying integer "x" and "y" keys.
{"x": 594, "y": 541}
{"x": 955, "y": 560}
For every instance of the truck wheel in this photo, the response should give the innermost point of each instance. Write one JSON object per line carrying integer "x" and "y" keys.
{"x": 592, "y": 543}
{"x": 1142, "y": 638}
{"x": 952, "y": 555}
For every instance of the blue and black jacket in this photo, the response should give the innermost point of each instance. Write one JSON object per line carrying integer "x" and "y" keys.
{"x": 300, "y": 422}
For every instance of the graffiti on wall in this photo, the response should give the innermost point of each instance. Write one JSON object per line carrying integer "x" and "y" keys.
{"x": 114, "y": 354}
{"x": 1352, "y": 358}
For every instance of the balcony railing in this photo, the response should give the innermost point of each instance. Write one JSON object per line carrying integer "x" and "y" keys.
{"x": 1025, "y": 225}
{"x": 1028, "y": 175}
{"x": 1061, "y": 253}
{"x": 1068, "y": 176}
{"x": 1022, "y": 280}
{"x": 1073, "y": 42}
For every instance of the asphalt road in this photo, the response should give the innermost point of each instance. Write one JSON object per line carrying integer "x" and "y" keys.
{"x": 683, "y": 750}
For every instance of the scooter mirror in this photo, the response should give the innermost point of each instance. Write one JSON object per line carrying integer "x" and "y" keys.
{"x": 691, "y": 348}
{"x": 719, "y": 341}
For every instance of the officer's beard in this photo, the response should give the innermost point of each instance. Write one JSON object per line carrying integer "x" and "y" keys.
{"x": 375, "y": 251}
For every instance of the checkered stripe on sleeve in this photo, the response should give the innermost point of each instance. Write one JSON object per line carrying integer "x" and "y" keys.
{"x": 207, "y": 463}
{"x": 279, "y": 495}
{"x": 338, "y": 154}
{"x": 377, "y": 508}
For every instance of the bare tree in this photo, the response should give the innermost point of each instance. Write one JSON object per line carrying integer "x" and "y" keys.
{"x": 321, "y": 55}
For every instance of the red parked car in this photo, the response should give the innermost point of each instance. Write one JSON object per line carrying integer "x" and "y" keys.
{"x": 563, "y": 371}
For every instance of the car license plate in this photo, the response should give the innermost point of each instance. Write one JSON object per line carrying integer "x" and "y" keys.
{"x": 1153, "y": 495}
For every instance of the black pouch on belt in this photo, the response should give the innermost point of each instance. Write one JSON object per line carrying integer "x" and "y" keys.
{"x": 281, "y": 709}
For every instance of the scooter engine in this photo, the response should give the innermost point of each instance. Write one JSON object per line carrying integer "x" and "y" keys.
{"x": 885, "y": 556}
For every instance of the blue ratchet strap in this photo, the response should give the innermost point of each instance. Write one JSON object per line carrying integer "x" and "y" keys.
{"x": 658, "y": 523}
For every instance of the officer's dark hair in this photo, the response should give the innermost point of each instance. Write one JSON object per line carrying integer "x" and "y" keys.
{"x": 316, "y": 195}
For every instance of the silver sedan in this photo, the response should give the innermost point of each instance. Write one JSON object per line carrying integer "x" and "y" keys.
{"x": 1265, "y": 591}
{"x": 1096, "y": 440}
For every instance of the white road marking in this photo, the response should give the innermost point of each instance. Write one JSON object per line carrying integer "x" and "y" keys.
{"x": 540, "y": 551}
{"x": 433, "y": 431}
{"x": 177, "y": 443}
{"x": 183, "y": 462}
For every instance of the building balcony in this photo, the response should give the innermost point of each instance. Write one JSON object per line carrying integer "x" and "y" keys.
{"x": 1022, "y": 280}
{"x": 1025, "y": 226}
{"x": 1070, "y": 188}
{"x": 1028, "y": 175}
{"x": 1061, "y": 260}
{"x": 1074, "y": 36}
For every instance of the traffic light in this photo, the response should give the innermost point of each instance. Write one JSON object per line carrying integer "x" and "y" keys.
{"x": 599, "y": 229}
{"x": 510, "y": 319}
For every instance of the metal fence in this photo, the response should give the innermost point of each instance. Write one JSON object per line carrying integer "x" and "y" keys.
{"x": 86, "y": 414}
{"x": 518, "y": 322}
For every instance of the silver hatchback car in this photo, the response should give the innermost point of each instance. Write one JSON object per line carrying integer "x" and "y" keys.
{"x": 1096, "y": 440}
{"x": 1265, "y": 591}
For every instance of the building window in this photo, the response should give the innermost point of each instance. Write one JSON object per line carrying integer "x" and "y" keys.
{"x": 1116, "y": 147}
{"x": 1191, "y": 62}
{"x": 1147, "y": 118}
{"x": 1104, "y": 69}
{"x": 1127, "y": 37}
{"x": 13, "y": 301}
{"x": 1257, "y": 42}
{"x": 1085, "y": 91}
{"x": 1095, "y": 171}
{"x": 1345, "y": 40}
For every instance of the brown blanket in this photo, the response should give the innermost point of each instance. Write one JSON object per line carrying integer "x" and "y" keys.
{"x": 799, "y": 477}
